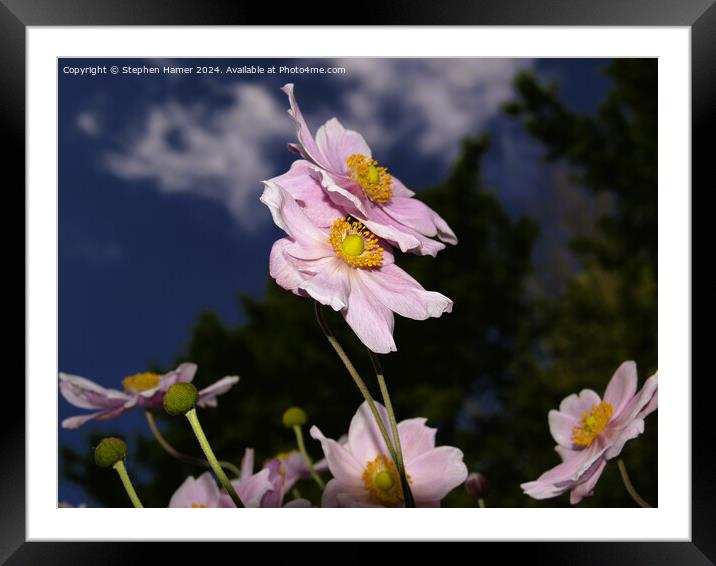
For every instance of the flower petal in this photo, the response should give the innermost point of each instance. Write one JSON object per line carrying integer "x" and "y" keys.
{"x": 208, "y": 395}
{"x": 575, "y": 405}
{"x": 632, "y": 430}
{"x": 561, "y": 425}
{"x": 436, "y": 472}
{"x": 289, "y": 216}
{"x": 330, "y": 284}
{"x": 402, "y": 294}
{"x": 106, "y": 414}
{"x": 365, "y": 442}
{"x": 419, "y": 216}
{"x": 341, "y": 494}
{"x": 416, "y": 438}
{"x": 341, "y": 462}
{"x": 86, "y": 394}
{"x": 300, "y": 181}
{"x": 621, "y": 388}
{"x": 586, "y": 488}
{"x": 369, "y": 318}
{"x": 200, "y": 491}
{"x": 337, "y": 144}
{"x": 643, "y": 403}
{"x": 308, "y": 147}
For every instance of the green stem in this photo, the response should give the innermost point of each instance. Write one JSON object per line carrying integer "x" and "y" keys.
{"x": 209, "y": 453}
{"x": 481, "y": 503}
{"x": 164, "y": 443}
{"x": 409, "y": 500}
{"x": 127, "y": 483}
{"x": 306, "y": 457}
{"x": 356, "y": 378}
{"x": 629, "y": 487}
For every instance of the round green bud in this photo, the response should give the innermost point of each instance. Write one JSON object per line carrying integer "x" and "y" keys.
{"x": 110, "y": 451}
{"x": 180, "y": 398}
{"x": 295, "y": 416}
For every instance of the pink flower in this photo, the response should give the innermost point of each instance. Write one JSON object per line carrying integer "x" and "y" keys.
{"x": 140, "y": 390}
{"x": 347, "y": 267}
{"x": 590, "y": 431}
{"x": 197, "y": 492}
{"x": 281, "y": 472}
{"x": 350, "y": 181}
{"x": 365, "y": 476}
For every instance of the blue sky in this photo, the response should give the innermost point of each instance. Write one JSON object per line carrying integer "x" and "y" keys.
{"x": 159, "y": 179}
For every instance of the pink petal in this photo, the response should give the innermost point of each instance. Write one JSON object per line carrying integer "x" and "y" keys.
{"x": 298, "y": 503}
{"x": 338, "y": 191}
{"x": 308, "y": 146}
{"x": 341, "y": 462}
{"x": 86, "y": 394}
{"x": 208, "y": 395}
{"x": 340, "y": 494}
{"x": 566, "y": 475}
{"x": 283, "y": 268}
{"x": 330, "y": 285}
{"x": 337, "y": 144}
{"x": 586, "y": 488}
{"x": 402, "y": 294}
{"x": 621, "y": 388}
{"x": 365, "y": 442}
{"x": 436, "y": 472}
{"x": 419, "y": 216}
{"x": 301, "y": 183}
{"x": 415, "y": 438}
{"x": 632, "y": 430}
{"x": 247, "y": 464}
{"x": 575, "y": 405}
{"x": 643, "y": 403}
{"x": 561, "y": 425}
{"x": 369, "y": 318}
{"x": 400, "y": 190}
{"x": 200, "y": 491}
{"x": 406, "y": 239}
{"x": 289, "y": 216}
{"x": 251, "y": 490}
{"x": 78, "y": 421}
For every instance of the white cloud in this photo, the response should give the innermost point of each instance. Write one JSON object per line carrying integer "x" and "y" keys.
{"x": 217, "y": 153}
{"x": 432, "y": 103}
{"x": 89, "y": 124}
{"x": 424, "y": 105}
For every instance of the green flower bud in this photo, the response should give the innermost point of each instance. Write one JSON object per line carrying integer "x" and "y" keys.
{"x": 180, "y": 398}
{"x": 295, "y": 416}
{"x": 110, "y": 451}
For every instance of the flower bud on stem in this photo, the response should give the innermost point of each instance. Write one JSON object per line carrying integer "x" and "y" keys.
{"x": 181, "y": 398}
{"x": 295, "y": 418}
{"x": 112, "y": 452}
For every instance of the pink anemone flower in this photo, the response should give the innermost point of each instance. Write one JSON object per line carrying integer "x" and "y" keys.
{"x": 140, "y": 390}
{"x": 347, "y": 267}
{"x": 349, "y": 179}
{"x": 365, "y": 476}
{"x": 282, "y": 473}
{"x": 589, "y": 431}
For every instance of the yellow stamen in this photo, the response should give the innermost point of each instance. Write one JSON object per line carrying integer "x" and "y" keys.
{"x": 382, "y": 481}
{"x": 355, "y": 244}
{"x": 375, "y": 181}
{"x": 141, "y": 382}
{"x": 197, "y": 505}
{"x": 591, "y": 424}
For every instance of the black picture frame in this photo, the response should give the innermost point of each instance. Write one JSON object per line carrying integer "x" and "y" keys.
{"x": 699, "y": 15}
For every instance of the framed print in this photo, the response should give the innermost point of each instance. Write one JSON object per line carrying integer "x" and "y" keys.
{"x": 438, "y": 263}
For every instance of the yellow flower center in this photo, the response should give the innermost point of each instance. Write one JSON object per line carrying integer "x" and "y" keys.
{"x": 382, "y": 481}
{"x": 197, "y": 505}
{"x": 591, "y": 424}
{"x": 141, "y": 382}
{"x": 355, "y": 244}
{"x": 375, "y": 181}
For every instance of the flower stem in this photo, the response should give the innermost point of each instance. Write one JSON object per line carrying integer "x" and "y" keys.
{"x": 306, "y": 457}
{"x": 409, "y": 501}
{"x": 164, "y": 443}
{"x": 127, "y": 483}
{"x": 356, "y": 377}
{"x": 629, "y": 487}
{"x": 209, "y": 453}
{"x": 481, "y": 503}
